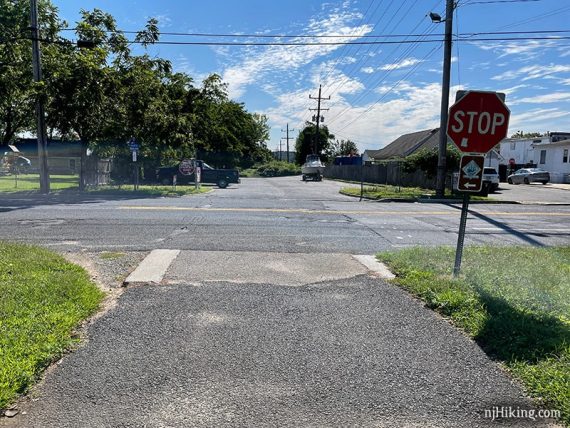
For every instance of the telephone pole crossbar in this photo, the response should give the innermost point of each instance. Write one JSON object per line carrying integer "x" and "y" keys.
{"x": 318, "y": 118}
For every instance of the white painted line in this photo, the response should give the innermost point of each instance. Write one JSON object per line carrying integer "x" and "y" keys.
{"x": 372, "y": 263}
{"x": 152, "y": 268}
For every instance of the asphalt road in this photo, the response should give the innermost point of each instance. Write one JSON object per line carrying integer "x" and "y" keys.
{"x": 265, "y": 318}
{"x": 280, "y": 214}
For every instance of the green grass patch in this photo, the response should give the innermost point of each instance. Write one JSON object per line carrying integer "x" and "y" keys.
{"x": 27, "y": 182}
{"x": 43, "y": 299}
{"x": 514, "y": 301}
{"x": 111, "y": 255}
{"x": 386, "y": 191}
{"x": 383, "y": 191}
{"x": 150, "y": 190}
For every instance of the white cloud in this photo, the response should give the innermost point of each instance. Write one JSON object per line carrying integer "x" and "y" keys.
{"x": 547, "y": 98}
{"x": 367, "y": 70}
{"x": 260, "y": 62}
{"x": 540, "y": 119}
{"x": 533, "y": 72}
{"x": 527, "y": 49}
{"x": 408, "y": 62}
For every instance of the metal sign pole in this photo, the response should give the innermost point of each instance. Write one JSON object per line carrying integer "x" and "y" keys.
{"x": 461, "y": 237}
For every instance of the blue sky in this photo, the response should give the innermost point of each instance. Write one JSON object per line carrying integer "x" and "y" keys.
{"x": 378, "y": 92}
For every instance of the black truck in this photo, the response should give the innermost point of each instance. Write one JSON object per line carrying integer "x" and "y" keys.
{"x": 221, "y": 177}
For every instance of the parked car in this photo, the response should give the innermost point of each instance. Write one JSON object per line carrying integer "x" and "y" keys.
{"x": 221, "y": 177}
{"x": 529, "y": 175}
{"x": 490, "y": 179}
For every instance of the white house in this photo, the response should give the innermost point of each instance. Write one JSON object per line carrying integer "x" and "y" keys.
{"x": 520, "y": 150}
{"x": 554, "y": 158}
{"x": 546, "y": 152}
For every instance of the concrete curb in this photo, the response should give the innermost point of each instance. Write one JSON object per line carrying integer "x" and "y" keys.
{"x": 373, "y": 265}
{"x": 457, "y": 201}
{"x": 153, "y": 268}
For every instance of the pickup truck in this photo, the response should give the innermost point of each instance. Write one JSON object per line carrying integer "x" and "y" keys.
{"x": 221, "y": 177}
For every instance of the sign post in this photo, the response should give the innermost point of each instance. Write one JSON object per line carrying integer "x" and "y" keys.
{"x": 478, "y": 121}
{"x": 198, "y": 177}
{"x": 134, "y": 148}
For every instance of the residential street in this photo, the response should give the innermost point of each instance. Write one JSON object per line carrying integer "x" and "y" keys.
{"x": 265, "y": 317}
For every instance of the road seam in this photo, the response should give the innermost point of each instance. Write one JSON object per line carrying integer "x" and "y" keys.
{"x": 153, "y": 268}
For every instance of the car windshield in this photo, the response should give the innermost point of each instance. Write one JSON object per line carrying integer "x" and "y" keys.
{"x": 489, "y": 171}
{"x": 536, "y": 170}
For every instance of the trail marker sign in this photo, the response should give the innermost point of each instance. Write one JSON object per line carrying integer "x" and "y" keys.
{"x": 478, "y": 121}
{"x": 471, "y": 173}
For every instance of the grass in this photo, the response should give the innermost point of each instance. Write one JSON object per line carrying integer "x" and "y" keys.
{"x": 30, "y": 182}
{"x": 386, "y": 191}
{"x": 150, "y": 190}
{"x": 111, "y": 255}
{"x": 27, "y": 182}
{"x": 383, "y": 191}
{"x": 514, "y": 301}
{"x": 44, "y": 298}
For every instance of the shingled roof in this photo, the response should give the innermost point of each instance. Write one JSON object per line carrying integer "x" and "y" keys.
{"x": 407, "y": 144}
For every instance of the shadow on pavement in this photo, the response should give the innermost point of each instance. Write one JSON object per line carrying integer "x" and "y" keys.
{"x": 521, "y": 235}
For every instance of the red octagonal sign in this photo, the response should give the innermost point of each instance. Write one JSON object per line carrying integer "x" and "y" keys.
{"x": 478, "y": 122}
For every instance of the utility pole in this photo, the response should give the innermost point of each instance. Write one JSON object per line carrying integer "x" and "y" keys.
{"x": 40, "y": 113}
{"x": 319, "y": 119}
{"x": 287, "y": 130}
{"x": 442, "y": 153}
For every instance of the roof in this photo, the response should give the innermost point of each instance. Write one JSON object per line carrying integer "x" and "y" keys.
{"x": 371, "y": 153}
{"x": 407, "y": 144}
{"x": 553, "y": 143}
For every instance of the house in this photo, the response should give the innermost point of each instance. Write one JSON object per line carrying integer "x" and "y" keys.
{"x": 553, "y": 156}
{"x": 64, "y": 157}
{"x": 408, "y": 144}
{"x": 546, "y": 152}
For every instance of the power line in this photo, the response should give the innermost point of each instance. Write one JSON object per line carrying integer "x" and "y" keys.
{"x": 499, "y": 1}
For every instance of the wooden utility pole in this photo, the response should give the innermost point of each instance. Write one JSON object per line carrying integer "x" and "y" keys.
{"x": 40, "y": 112}
{"x": 318, "y": 118}
{"x": 287, "y": 138}
{"x": 442, "y": 151}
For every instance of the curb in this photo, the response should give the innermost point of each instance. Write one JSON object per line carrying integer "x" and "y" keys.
{"x": 457, "y": 201}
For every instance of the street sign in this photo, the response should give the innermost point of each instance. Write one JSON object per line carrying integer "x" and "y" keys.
{"x": 471, "y": 173}
{"x": 186, "y": 167}
{"x": 478, "y": 121}
{"x": 134, "y": 153}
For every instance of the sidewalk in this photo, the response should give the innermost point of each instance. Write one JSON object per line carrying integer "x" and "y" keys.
{"x": 279, "y": 339}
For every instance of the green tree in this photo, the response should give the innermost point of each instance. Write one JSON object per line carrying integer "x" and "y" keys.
{"x": 17, "y": 89}
{"x": 521, "y": 134}
{"x": 84, "y": 85}
{"x": 426, "y": 160}
{"x": 305, "y": 143}
{"x": 342, "y": 148}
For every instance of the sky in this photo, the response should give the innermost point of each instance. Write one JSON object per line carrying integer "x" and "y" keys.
{"x": 377, "y": 91}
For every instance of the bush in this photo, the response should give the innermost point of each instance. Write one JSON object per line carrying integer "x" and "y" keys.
{"x": 277, "y": 169}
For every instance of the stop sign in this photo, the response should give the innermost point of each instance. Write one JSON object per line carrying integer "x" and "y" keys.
{"x": 478, "y": 122}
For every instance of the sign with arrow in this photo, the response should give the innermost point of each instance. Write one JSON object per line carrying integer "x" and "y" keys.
{"x": 471, "y": 173}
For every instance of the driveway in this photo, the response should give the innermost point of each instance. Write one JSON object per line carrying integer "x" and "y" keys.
{"x": 533, "y": 193}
